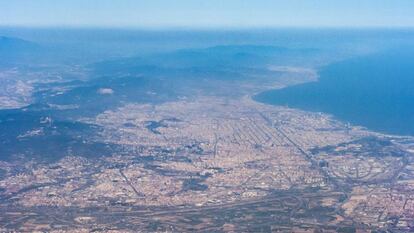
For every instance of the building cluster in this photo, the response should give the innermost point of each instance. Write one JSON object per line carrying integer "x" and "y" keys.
{"x": 214, "y": 152}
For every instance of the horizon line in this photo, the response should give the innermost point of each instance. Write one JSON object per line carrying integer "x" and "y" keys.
{"x": 204, "y": 28}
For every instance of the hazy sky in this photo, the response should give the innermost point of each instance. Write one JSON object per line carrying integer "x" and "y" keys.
{"x": 207, "y": 13}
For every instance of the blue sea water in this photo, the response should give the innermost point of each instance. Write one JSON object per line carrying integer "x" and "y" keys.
{"x": 375, "y": 91}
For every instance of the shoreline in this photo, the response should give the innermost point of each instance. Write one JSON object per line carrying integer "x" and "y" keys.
{"x": 316, "y": 78}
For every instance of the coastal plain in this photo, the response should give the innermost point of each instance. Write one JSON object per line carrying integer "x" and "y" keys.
{"x": 217, "y": 163}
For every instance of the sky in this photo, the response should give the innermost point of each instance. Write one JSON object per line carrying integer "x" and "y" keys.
{"x": 207, "y": 13}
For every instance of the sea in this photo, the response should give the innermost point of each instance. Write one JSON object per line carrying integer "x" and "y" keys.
{"x": 375, "y": 91}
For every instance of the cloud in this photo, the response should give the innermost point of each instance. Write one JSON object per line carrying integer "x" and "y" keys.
{"x": 105, "y": 91}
